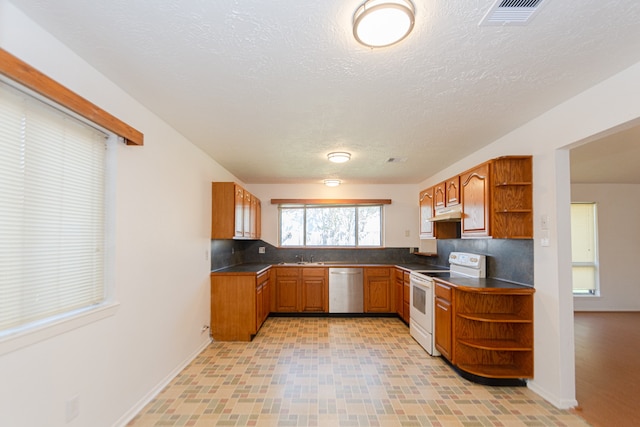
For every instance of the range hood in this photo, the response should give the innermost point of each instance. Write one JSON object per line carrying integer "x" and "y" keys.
{"x": 453, "y": 214}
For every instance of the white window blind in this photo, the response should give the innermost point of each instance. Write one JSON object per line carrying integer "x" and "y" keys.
{"x": 52, "y": 212}
{"x": 584, "y": 254}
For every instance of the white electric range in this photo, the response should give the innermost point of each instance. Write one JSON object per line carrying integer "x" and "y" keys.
{"x": 421, "y": 322}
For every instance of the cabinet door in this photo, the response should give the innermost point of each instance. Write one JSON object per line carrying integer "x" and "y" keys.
{"x": 256, "y": 215}
{"x": 314, "y": 291}
{"x": 406, "y": 298}
{"x": 439, "y": 196}
{"x": 399, "y": 293}
{"x": 475, "y": 201}
{"x": 443, "y": 327}
{"x": 377, "y": 290}
{"x": 239, "y": 212}
{"x": 313, "y": 294}
{"x": 287, "y": 284}
{"x": 259, "y": 306}
{"x": 426, "y": 212}
{"x": 452, "y": 191}
{"x": 246, "y": 215}
{"x": 266, "y": 300}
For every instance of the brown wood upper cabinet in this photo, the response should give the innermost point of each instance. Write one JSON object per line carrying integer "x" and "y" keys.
{"x": 235, "y": 212}
{"x": 475, "y": 193}
{"x": 426, "y": 212}
{"x": 439, "y": 196}
{"x": 428, "y": 229}
{"x": 446, "y": 193}
{"x": 497, "y": 199}
{"x": 452, "y": 191}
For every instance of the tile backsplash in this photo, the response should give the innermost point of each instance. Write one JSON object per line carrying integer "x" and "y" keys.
{"x": 226, "y": 253}
{"x": 507, "y": 259}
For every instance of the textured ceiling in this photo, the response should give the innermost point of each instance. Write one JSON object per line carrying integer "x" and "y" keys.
{"x": 268, "y": 88}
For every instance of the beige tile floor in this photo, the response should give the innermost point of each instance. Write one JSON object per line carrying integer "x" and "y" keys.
{"x": 337, "y": 372}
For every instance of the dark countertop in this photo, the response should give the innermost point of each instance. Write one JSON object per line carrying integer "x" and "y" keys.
{"x": 460, "y": 282}
{"x": 413, "y": 267}
{"x": 243, "y": 268}
{"x": 484, "y": 284}
{"x": 254, "y": 268}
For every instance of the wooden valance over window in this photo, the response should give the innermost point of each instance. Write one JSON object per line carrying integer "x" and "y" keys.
{"x": 29, "y": 77}
{"x": 330, "y": 201}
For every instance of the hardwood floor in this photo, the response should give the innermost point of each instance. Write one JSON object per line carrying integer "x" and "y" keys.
{"x": 608, "y": 367}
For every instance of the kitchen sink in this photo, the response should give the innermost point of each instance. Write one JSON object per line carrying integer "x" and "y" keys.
{"x": 312, "y": 263}
{"x": 301, "y": 263}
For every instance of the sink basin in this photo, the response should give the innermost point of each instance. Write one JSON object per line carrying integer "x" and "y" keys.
{"x": 301, "y": 263}
{"x": 311, "y": 263}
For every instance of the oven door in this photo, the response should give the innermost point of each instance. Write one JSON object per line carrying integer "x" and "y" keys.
{"x": 421, "y": 312}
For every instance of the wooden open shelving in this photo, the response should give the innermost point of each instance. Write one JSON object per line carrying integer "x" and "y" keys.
{"x": 493, "y": 332}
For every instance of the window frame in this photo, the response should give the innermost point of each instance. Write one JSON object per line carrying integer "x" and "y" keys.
{"x": 18, "y": 74}
{"x": 316, "y": 204}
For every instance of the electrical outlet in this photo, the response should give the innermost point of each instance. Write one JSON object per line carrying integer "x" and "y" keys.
{"x": 73, "y": 408}
{"x": 407, "y": 233}
{"x": 261, "y": 249}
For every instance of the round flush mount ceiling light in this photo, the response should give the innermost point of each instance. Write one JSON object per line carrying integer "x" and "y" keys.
{"x": 332, "y": 182}
{"x": 380, "y": 23}
{"x": 339, "y": 157}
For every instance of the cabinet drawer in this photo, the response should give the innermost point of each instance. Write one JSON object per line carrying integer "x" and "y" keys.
{"x": 313, "y": 272}
{"x": 263, "y": 277}
{"x": 288, "y": 271}
{"x": 443, "y": 291}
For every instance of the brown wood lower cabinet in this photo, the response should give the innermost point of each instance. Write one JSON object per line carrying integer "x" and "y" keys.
{"x": 492, "y": 330}
{"x": 239, "y": 305}
{"x": 398, "y": 292}
{"x": 287, "y": 284}
{"x": 301, "y": 289}
{"x": 443, "y": 320}
{"x": 314, "y": 291}
{"x": 377, "y": 290}
{"x": 406, "y": 298}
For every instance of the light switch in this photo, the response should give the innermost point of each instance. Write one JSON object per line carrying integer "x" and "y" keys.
{"x": 544, "y": 222}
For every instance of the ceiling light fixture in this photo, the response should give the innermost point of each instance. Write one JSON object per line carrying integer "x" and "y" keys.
{"x": 380, "y": 23}
{"x": 332, "y": 182}
{"x": 339, "y": 157}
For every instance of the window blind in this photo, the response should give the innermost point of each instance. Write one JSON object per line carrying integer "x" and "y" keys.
{"x": 584, "y": 248}
{"x": 52, "y": 211}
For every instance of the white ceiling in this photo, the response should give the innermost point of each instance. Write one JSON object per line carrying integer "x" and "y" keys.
{"x": 268, "y": 88}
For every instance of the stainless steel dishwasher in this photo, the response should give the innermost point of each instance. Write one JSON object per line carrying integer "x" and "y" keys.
{"x": 346, "y": 290}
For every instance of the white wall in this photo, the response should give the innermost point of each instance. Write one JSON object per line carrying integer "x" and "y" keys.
{"x": 162, "y": 274}
{"x": 618, "y": 245}
{"x": 400, "y": 217}
{"x": 613, "y": 103}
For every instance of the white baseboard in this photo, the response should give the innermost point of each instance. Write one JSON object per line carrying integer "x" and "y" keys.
{"x": 131, "y": 413}
{"x": 558, "y": 403}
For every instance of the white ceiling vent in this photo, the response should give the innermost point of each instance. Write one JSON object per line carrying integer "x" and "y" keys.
{"x": 511, "y": 12}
